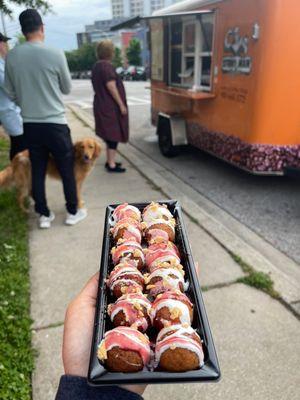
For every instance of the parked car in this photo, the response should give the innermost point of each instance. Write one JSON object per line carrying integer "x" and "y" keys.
{"x": 86, "y": 75}
{"x": 120, "y": 71}
{"x": 135, "y": 73}
{"x": 75, "y": 75}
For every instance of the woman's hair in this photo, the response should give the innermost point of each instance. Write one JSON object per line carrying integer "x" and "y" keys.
{"x": 105, "y": 50}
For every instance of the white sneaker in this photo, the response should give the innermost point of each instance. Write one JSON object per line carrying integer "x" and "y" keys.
{"x": 45, "y": 222}
{"x": 73, "y": 219}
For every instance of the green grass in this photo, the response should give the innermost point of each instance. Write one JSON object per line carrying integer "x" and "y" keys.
{"x": 16, "y": 355}
{"x": 261, "y": 281}
{"x": 256, "y": 279}
{"x": 245, "y": 267}
{"x": 4, "y": 149}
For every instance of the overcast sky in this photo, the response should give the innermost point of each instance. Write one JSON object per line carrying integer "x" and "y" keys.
{"x": 68, "y": 18}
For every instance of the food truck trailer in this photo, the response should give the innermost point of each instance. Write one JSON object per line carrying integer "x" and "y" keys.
{"x": 225, "y": 77}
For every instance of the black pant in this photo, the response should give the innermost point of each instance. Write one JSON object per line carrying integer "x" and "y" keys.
{"x": 55, "y": 139}
{"x": 17, "y": 144}
{"x": 111, "y": 144}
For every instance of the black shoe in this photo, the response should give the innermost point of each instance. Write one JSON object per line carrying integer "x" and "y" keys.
{"x": 118, "y": 164}
{"x": 117, "y": 168}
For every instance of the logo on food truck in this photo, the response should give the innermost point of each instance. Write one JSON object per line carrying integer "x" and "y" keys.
{"x": 236, "y": 59}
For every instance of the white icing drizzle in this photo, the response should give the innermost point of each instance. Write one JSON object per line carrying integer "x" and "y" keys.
{"x": 126, "y": 271}
{"x": 165, "y": 274}
{"x": 178, "y": 328}
{"x": 172, "y": 304}
{"x": 156, "y": 211}
{"x": 141, "y": 301}
{"x": 132, "y": 247}
{"x": 170, "y": 223}
{"x": 127, "y": 282}
{"x": 125, "y": 338}
{"x": 129, "y": 336}
{"x": 129, "y": 243}
{"x": 130, "y": 228}
{"x": 168, "y": 258}
{"x": 181, "y": 341}
{"x": 114, "y": 217}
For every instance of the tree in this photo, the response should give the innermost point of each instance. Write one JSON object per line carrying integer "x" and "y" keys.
{"x": 73, "y": 60}
{"x": 5, "y": 5}
{"x": 117, "y": 60}
{"x": 20, "y": 38}
{"x": 133, "y": 52}
{"x": 87, "y": 56}
{"x": 83, "y": 58}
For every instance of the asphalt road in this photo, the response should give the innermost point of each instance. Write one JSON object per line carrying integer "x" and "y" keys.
{"x": 270, "y": 206}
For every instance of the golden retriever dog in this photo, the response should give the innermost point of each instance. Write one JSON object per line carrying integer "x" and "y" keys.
{"x": 18, "y": 172}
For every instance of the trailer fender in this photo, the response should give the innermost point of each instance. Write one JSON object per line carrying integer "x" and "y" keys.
{"x": 176, "y": 126}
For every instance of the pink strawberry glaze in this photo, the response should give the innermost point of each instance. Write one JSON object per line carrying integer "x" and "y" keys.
{"x": 122, "y": 270}
{"x": 171, "y": 295}
{"x": 133, "y": 315}
{"x": 132, "y": 229}
{"x": 128, "y": 339}
{"x": 126, "y": 211}
{"x": 160, "y": 253}
{"x": 158, "y": 235}
{"x": 127, "y": 249}
{"x": 178, "y": 339}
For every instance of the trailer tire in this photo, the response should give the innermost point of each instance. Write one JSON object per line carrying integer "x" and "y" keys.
{"x": 165, "y": 139}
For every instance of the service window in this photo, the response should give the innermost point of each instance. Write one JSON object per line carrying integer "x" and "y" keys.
{"x": 190, "y": 51}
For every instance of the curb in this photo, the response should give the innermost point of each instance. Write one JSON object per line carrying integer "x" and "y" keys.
{"x": 286, "y": 281}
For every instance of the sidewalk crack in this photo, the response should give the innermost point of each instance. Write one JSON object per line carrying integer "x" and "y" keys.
{"x": 295, "y": 302}
{"x": 49, "y": 326}
{"x": 218, "y": 286}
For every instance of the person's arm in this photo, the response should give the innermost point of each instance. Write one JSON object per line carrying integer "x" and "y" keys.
{"x": 2, "y": 76}
{"x": 8, "y": 81}
{"x": 113, "y": 90}
{"x": 78, "y": 333}
{"x": 64, "y": 76}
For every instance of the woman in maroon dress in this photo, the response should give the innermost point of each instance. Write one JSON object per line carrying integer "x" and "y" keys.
{"x": 110, "y": 106}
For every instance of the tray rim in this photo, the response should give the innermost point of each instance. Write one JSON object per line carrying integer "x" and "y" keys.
{"x": 210, "y": 372}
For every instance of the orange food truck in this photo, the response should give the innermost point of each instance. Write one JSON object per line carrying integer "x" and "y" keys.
{"x": 225, "y": 77}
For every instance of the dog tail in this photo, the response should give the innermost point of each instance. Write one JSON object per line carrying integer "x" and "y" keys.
{"x": 6, "y": 176}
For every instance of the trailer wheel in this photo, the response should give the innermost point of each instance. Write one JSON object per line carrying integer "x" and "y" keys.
{"x": 165, "y": 138}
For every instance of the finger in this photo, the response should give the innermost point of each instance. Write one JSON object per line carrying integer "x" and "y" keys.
{"x": 197, "y": 267}
{"x": 91, "y": 288}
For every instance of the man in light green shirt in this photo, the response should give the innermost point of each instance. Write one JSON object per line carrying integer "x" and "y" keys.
{"x": 35, "y": 78}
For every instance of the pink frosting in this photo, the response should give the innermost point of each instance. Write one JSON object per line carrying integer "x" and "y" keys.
{"x": 127, "y": 249}
{"x": 177, "y": 339}
{"x": 132, "y": 305}
{"x": 126, "y": 211}
{"x": 161, "y": 253}
{"x": 158, "y": 236}
{"x": 173, "y": 295}
{"x": 132, "y": 229}
{"x": 128, "y": 339}
{"x": 122, "y": 271}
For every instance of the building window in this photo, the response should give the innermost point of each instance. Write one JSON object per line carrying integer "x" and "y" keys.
{"x": 190, "y": 51}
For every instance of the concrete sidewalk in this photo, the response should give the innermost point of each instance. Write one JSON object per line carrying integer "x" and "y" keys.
{"x": 256, "y": 338}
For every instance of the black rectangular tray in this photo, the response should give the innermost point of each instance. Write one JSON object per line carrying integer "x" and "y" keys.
{"x": 97, "y": 374}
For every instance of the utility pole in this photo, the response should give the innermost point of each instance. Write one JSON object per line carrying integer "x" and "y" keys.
{"x": 3, "y": 22}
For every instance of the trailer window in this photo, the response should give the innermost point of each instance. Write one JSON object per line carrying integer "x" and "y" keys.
{"x": 157, "y": 49}
{"x": 190, "y": 51}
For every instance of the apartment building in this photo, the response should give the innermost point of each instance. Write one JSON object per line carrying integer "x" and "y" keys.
{"x": 131, "y": 8}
